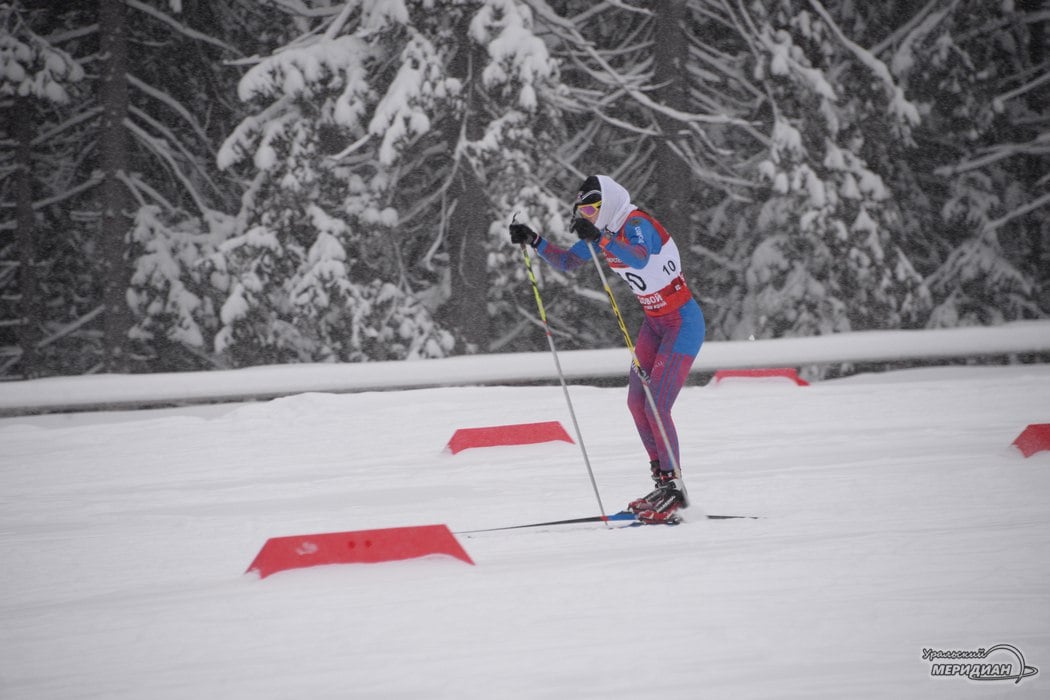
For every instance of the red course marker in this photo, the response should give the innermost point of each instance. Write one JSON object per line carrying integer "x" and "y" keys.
{"x": 519, "y": 434}
{"x": 356, "y": 547}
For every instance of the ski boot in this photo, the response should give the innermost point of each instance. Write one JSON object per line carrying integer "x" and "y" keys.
{"x": 662, "y": 503}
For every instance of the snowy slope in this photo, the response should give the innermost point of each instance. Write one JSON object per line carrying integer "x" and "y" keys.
{"x": 895, "y": 517}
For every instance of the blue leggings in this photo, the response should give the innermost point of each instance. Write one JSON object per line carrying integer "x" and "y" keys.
{"x": 666, "y": 348}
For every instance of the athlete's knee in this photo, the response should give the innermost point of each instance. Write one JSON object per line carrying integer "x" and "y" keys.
{"x": 636, "y": 402}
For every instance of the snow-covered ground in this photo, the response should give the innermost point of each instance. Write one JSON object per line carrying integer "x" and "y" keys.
{"x": 895, "y": 517}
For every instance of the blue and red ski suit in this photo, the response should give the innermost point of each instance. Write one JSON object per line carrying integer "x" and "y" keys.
{"x": 646, "y": 257}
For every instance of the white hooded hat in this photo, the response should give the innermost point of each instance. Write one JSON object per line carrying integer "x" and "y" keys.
{"x": 616, "y": 202}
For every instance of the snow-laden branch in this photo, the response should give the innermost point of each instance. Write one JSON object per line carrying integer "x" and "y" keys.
{"x": 903, "y": 58}
{"x": 238, "y": 145}
{"x": 297, "y": 7}
{"x": 719, "y": 63}
{"x": 170, "y": 101}
{"x": 782, "y": 62}
{"x": 706, "y": 11}
{"x": 688, "y": 117}
{"x": 49, "y": 135}
{"x": 730, "y": 182}
{"x": 70, "y": 34}
{"x": 719, "y": 259}
{"x": 137, "y": 187}
{"x": 72, "y": 326}
{"x": 626, "y": 126}
{"x": 747, "y": 33}
{"x": 352, "y": 148}
{"x": 158, "y": 148}
{"x": 172, "y": 138}
{"x": 621, "y": 5}
{"x": 632, "y": 87}
{"x": 1020, "y": 211}
{"x": 906, "y": 29}
{"x": 899, "y": 105}
{"x": 1040, "y": 145}
{"x": 985, "y": 30}
{"x": 337, "y": 24}
{"x": 179, "y": 26}
{"x": 64, "y": 330}
{"x": 584, "y": 15}
{"x": 95, "y": 179}
{"x": 863, "y": 55}
{"x": 1022, "y": 89}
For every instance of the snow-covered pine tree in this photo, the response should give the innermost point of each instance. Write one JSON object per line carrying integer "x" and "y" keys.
{"x": 171, "y": 291}
{"x": 981, "y": 71}
{"x": 174, "y": 129}
{"x": 827, "y": 251}
{"x": 36, "y": 79}
{"x": 387, "y": 144}
{"x": 170, "y": 100}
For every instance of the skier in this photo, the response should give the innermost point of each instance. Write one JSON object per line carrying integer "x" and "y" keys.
{"x": 639, "y": 250}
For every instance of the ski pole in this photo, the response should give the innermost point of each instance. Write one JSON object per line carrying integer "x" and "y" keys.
{"x": 642, "y": 374}
{"x": 561, "y": 375}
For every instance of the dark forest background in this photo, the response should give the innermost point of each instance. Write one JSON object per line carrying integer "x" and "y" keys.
{"x": 193, "y": 184}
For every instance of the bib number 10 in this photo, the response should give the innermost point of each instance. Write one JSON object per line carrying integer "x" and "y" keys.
{"x": 670, "y": 268}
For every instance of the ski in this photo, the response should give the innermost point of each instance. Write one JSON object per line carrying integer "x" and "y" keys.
{"x": 628, "y": 519}
{"x": 622, "y": 515}
{"x": 677, "y": 520}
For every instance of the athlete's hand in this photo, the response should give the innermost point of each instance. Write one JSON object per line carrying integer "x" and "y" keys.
{"x": 521, "y": 234}
{"x": 585, "y": 230}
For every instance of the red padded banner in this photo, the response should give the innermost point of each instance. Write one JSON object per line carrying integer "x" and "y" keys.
{"x": 519, "y": 434}
{"x": 359, "y": 546}
{"x": 1034, "y": 438}
{"x": 786, "y": 372}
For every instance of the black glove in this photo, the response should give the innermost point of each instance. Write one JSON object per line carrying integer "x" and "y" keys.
{"x": 523, "y": 235}
{"x": 585, "y": 230}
